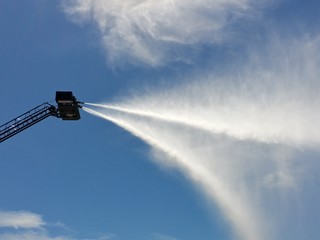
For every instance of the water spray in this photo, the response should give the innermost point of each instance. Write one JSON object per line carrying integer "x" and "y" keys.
{"x": 251, "y": 146}
{"x": 234, "y": 210}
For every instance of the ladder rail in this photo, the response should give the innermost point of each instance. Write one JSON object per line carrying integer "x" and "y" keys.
{"x": 26, "y": 120}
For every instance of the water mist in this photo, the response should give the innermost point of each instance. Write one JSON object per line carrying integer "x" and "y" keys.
{"x": 249, "y": 139}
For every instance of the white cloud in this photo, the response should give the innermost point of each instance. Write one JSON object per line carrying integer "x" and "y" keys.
{"x": 30, "y": 226}
{"x": 31, "y": 235}
{"x": 44, "y": 235}
{"x": 20, "y": 219}
{"x": 155, "y": 31}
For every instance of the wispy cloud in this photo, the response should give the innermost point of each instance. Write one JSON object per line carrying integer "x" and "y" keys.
{"x": 44, "y": 235}
{"x": 20, "y": 219}
{"x": 31, "y": 235}
{"x": 26, "y": 225}
{"x": 157, "y": 31}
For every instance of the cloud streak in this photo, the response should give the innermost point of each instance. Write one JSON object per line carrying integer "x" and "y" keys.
{"x": 154, "y": 32}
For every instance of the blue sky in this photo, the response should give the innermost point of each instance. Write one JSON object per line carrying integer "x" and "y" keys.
{"x": 214, "y": 94}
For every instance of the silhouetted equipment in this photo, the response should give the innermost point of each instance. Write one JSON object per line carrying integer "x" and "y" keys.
{"x": 67, "y": 109}
{"x": 68, "y": 106}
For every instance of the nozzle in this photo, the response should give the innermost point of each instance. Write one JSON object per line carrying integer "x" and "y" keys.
{"x": 68, "y": 106}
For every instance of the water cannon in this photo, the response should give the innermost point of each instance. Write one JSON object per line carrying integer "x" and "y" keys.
{"x": 68, "y": 106}
{"x": 67, "y": 109}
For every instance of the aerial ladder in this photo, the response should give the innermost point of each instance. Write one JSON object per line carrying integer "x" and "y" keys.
{"x": 67, "y": 108}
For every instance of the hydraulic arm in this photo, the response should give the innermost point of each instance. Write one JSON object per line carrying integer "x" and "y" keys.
{"x": 67, "y": 109}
